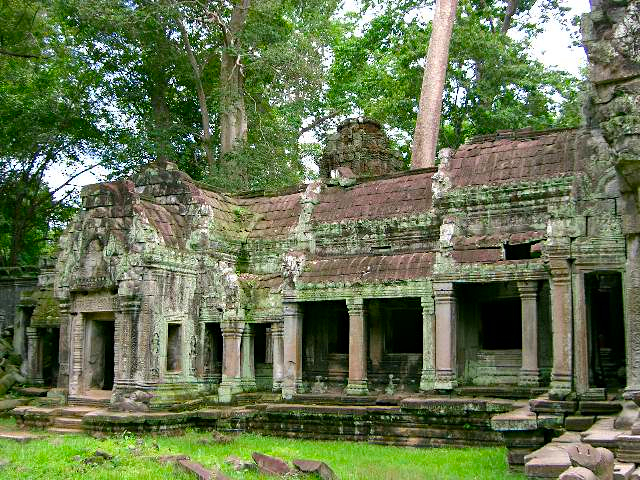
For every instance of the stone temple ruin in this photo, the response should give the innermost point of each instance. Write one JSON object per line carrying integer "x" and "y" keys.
{"x": 377, "y": 304}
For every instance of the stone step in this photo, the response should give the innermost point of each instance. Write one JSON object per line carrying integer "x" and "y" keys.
{"x": 19, "y": 436}
{"x": 548, "y": 462}
{"x": 65, "y": 431}
{"x": 68, "y": 422}
{"x": 75, "y": 411}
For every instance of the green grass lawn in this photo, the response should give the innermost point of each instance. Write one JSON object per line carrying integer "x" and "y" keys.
{"x": 53, "y": 458}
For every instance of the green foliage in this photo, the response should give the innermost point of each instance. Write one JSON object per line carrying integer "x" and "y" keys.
{"x": 53, "y": 457}
{"x": 492, "y": 81}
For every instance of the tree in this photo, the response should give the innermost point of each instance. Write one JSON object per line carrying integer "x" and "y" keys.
{"x": 425, "y": 138}
{"x": 492, "y": 82}
{"x": 46, "y": 119}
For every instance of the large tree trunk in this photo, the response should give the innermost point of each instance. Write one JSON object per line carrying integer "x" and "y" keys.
{"x": 202, "y": 98}
{"x": 425, "y": 137}
{"x": 233, "y": 114}
{"x": 161, "y": 118}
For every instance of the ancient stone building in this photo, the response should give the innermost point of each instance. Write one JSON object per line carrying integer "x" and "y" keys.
{"x": 511, "y": 267}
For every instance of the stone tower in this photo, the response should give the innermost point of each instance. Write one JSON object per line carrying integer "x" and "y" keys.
{"x": 361, "y": 145}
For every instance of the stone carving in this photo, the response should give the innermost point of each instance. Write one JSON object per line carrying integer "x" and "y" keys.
{"x": 391, "y": 388}
{"x": 155, "y": 355}
{"x": 137, "y": 401}
{"x": 319, "y": 387}
{"x": 598, "y": 461}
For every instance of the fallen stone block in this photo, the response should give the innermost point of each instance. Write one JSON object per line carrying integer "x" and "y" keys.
{"x": 578, "y": 473}
{"x": 270, "y": 465}
{"x": 635, "y": 475}
{"x": 240, "y": 465}
{"x": 197, "y": 469}
{"x": 20, "y": 437}
{"x": 312, "y": 466}
{"x": 623, "y": 471}
{"x": 576, "y": 423}
{"x": 598, "y": 460}
{"x": 171, "y": 458}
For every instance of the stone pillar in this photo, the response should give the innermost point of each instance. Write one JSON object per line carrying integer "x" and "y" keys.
{"x": 127, "y": 351}
{"x": 34, "y": 356}
{"x": 231, "y": 373}
{"x": 292, "y": 381}
{"x": 277, "y": 331}
{"x": 446, "y": 318}
{"x": 529, "y": 373}
{"x": 76, "y": 347}
{"x": 428, "y": 377}
{"x": 561, "y": 319}
{"x": 63, "y": 346}
{"x": 581, "y": 335}
{"x": 19, "y": 336}
{"x": 631, "y": 301}
{"x": 248, "y": 381}
{"x": 357, "y": 348}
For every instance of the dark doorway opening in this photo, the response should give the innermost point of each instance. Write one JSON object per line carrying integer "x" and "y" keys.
{"x": 100, "y": 349}
{"x": 50, "y": 361}
{"x": 212, "y": 349}
{"x": 260, "y": 343}
{"x": 605, "y": 317}
{"x": 325, "y": 339}
{"x": 501, "y": 324}
{"x": 174, "y": 347}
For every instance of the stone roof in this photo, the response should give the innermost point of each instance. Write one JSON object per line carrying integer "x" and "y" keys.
{"x": 515, "y": 156}
{"x": 400, "y": 195}
{"x": 275, "y": 217}
{"x": 368, "y": 268}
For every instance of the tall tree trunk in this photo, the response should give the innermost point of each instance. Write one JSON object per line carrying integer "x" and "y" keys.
{"x": 425, "y": 137}
{"x": 512, "y": 5}
{"x": 202, "y": 98}
{"x": 161, "y": 117}
{"x": 233, "y": 114}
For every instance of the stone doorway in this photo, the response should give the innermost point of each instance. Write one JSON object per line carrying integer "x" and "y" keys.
{"x": 212, "y": 356}
{"x": 325, "y": 342}
{"x": 50, "y": 355}
{"x": 99, "y": 358}
{"x": 263, "y": 356}
{"x": 489, "y": 333}
{"x": 395, "y": 342}
{"x": 605, "y": 319}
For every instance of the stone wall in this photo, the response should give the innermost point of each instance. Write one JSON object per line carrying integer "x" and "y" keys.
{"x": 13, "y": 282}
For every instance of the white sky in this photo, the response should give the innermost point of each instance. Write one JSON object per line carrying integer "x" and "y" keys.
{"x": 553, "y": 48}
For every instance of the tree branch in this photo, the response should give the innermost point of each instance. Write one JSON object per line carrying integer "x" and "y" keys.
{"x": 318, "y": 121}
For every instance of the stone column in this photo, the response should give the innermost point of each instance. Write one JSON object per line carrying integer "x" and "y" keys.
{"x": 529, "y": 373}
{"x": 428, "y": 377}
{"x": 631, "y": 301}
{"x": 34, "y": 356}
{"x": 19, "y": 336}
{"x": 231, "y": 373}
{"x": 581, "y": 335}
{"x": 76, "y": 347}
{"x": 446, "y": 318}
{"x": 277, "y": 331}
{"x": 561, "y": 319}
{"x": 127, "y": 352}
{"x": 292, "y": 381}
{"x": 357, "y": 348}
{"x": 248, "y": 381}
{"x": 63, "y": 348}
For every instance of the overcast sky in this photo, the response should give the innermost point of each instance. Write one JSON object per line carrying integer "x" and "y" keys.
{"x": 553, "y": 48}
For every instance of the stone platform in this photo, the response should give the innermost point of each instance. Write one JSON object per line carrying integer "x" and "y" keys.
{"x": 413, "y": 421}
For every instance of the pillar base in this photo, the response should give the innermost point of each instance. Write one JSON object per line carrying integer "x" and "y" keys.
{"x": 290, "y": 389}
{"x": 227, "y": 389}
{"x": 248, "y": 385}
{"x": 427, "y": 380}
{"x": 529, "y": 378}
{"x": 277, "y": 386}
{"x": 560, "y": 387}
{"x": 445, "y": 380}
{"x": 357, "y": 388}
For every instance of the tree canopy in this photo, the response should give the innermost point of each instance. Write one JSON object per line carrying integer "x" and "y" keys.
{"x": 227, "y": 88}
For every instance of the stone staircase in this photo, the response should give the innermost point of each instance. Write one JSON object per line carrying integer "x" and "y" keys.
{"x": 68, "y": 420}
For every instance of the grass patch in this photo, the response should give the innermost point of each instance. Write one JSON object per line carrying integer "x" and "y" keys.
{"x": 52, "y": 457}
